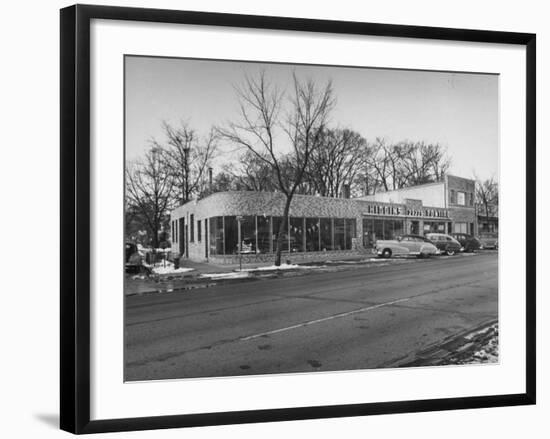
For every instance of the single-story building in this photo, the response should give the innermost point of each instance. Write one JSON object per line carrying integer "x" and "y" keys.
{"x": 227, "y": 226}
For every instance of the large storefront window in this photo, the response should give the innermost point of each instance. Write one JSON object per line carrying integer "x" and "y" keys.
{"x": 368, "y": 233}
{"x": 388, "y": 229}
{"x": 434, "y": 227}
{"x": 296, "y": 234}
{"x": 312, "y": 234}
{"x": 339, "y": 234}
{"x": 248, "y": 234}
{"x": 378, "y": 228}
{"x": 326, "y": 234}
{"x": 231, "y": 235}
{"x": 351, "y": 232}
{"x": 460, "y": 228}
{"x": 216, "y": 235}
{"x": 393, "y": 229}
{"x": 259, "y": 234}
{"x": 264, "y": 234}
{"x": 398, "y": 228}
{"x": 276, "y": 224}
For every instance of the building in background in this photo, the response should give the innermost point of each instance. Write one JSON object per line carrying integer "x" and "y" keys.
{"x": 487, "y": 218}
{"x": 226, "y": 226}
{"x": 454, "y": 194}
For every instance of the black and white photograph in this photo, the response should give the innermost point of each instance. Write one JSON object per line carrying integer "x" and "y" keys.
{"x": 292, "y": 218}
{"x": 266, "y": 219}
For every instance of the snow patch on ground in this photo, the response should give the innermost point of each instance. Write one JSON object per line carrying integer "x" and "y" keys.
{"x": 492, "y": 328}
{"x": 489, "y": 353}
{"x": 485, "y": 347}
{"x": 362, "y": 261}
{"x": 169, "y": 269}
{"x": 280, "y": 267}
{"x": 229, "y": 275}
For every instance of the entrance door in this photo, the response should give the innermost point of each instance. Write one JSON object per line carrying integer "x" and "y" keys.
{"x": 415, "y": 227}
{"x": 186, "y": 241}
{"x": 206, "y": 238}
{"x": 181, "y": 228}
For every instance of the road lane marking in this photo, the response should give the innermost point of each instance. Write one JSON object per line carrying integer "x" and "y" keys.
{"x": 324, "y": 319}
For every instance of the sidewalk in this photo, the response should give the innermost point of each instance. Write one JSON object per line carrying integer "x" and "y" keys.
{"x": 207, "y": 274}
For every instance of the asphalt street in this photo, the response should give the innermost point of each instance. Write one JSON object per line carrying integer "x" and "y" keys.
{"x": 357, "y": 318}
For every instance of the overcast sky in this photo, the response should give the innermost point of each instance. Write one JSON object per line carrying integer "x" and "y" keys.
{"x": 459, "y": 111}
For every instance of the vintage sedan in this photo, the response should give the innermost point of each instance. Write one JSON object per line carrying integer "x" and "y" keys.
{"x": 445, "y": 243}
{"x": 406, "y": 245}
{"x": 489, "y": 240}
{"x": 468, "y": 242}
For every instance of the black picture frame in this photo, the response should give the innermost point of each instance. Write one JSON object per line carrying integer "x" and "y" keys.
{"x": 75, "y": 217}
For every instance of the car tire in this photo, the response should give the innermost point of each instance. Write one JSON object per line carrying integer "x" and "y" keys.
{"x": 450, "y": 252}
{"x": 386, "y": 253}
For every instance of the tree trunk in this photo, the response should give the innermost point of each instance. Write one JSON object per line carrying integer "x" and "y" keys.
{"x": 156, "y": 235}
{"x": 487, "y": 216}
{"x": 281, "y": 231}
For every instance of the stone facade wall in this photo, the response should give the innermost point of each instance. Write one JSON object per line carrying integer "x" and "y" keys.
{"x": 292, "y": 257}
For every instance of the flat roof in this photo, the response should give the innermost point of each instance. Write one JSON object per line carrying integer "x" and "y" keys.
{"x": 250, "y": 203}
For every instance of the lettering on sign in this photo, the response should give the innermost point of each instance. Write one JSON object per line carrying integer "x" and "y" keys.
{"x": 378, "y": 209}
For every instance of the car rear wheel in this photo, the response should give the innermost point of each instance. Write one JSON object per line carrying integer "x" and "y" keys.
{"x": 386, "y": 253}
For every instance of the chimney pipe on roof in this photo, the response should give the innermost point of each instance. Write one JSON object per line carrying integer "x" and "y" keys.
{"x": 210, "y": 185}
{"x": 346, "y": 191}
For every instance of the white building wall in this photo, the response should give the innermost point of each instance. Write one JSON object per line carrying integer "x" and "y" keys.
{"x": 432, "y": 195}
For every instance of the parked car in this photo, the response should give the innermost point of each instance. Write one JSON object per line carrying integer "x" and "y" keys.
{"x": 489, "y": 240}
{"x": 468, "y": 242}
{"x": 445, "y": 243}
{"x": 130, "y": 249}
{"x": 133, "y": 263}
{"x": 412, "y": 245}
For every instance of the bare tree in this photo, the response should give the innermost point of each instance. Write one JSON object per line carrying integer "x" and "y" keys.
{"x": 252, "y": 173}
{"x": 148, "y": 192}
{"x": 404, "y": 164}
{"x": 422, "y": 163}
{"x": 487, "y": 196}
{"x": 378, "y": 165}
{"x": 187, "y": 157}
{"x": 335, "y": 163}
{"x": 261, "y": 110}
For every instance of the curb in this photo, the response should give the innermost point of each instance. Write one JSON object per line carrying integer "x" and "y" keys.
{"x": 172, "y": 290}
{"x": 436, "y": 353}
